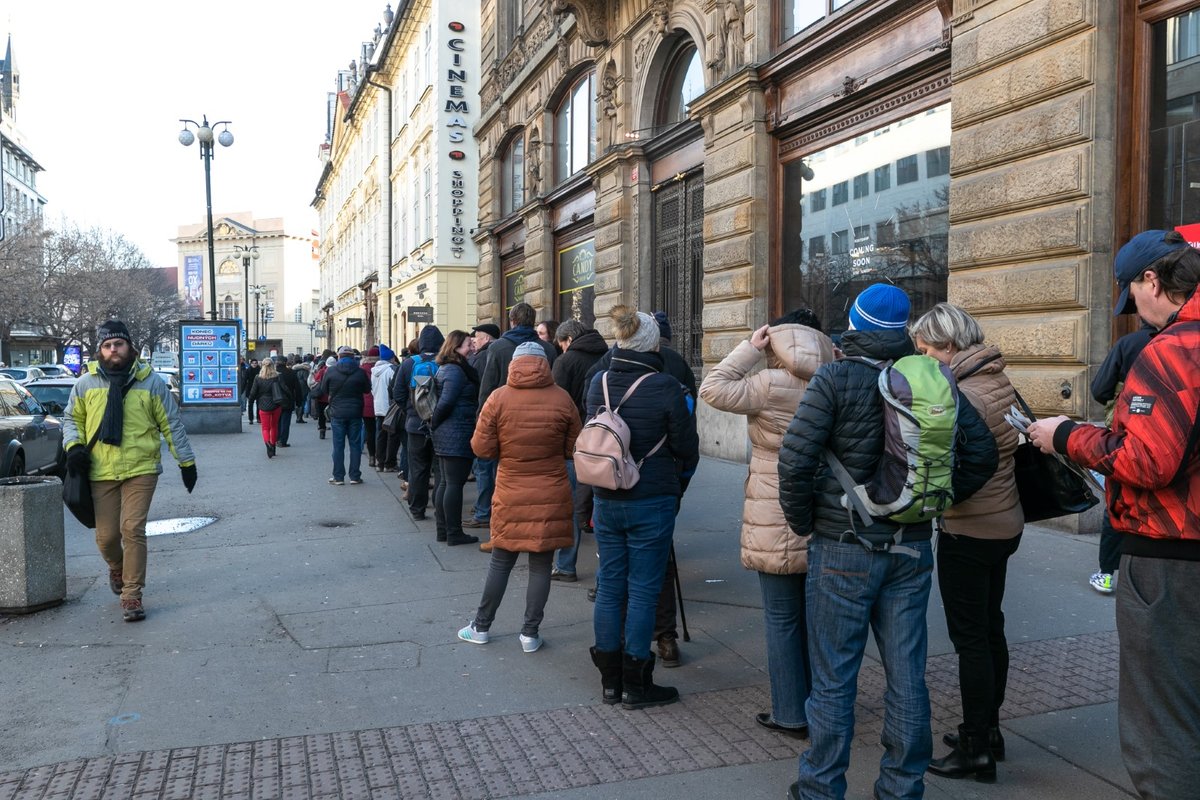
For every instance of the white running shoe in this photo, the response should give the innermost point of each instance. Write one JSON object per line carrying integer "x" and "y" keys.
{"x": 530, "y": 644}
{"x": 469, "y": 634}
{"x": 1102, "y": 582}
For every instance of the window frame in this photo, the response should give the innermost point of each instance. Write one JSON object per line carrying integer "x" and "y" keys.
{"x": 678, "y": 64}
{"x": 512, "y": 167}
{"x": 565, "y": 126}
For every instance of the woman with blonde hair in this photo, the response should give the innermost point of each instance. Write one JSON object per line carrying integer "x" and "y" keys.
{"x": 268, "y": 392}
{"x": 975, "y": 540}
{"x": 794, "y": 347}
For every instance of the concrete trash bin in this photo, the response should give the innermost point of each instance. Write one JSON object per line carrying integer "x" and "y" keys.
{"x": 33, "y": 562}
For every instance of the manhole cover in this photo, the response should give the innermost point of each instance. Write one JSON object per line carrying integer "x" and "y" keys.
{"x": 334, "y": 524}
{"x": 160, "y": 527}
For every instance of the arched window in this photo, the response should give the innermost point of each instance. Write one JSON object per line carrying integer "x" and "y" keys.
{"x": 512, "y": 176}
{"x": 685, "y": 82}
{"x": 575, "y": 129}
{"x": 229, "y": 308}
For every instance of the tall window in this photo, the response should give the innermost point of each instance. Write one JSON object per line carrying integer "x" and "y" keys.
{"x": 428, "y": 227}
{"x": 229, "y": 308}
{"x": 685, "y": 82}
{"x": 906, "y": 170}
{"x": 512, "y": 177}
{"x": 796, "y": 15}
{"x": 510, "y": 23}
{"x": 862, "y": 186}
{"x": 1174, "y": 123}
{"x": 575, "y": 129}
{"x": 416, "y": 212}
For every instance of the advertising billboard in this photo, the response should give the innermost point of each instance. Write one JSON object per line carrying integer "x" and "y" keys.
{"x": 193, "y": 283}
{"x": 208, "y": 362}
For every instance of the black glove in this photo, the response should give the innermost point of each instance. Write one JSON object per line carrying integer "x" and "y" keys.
{"x": 189, "y": 476}
{"x": 78, "y": 460}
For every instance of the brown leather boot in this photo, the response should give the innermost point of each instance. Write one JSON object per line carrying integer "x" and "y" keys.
{"x": 668, "y": 651}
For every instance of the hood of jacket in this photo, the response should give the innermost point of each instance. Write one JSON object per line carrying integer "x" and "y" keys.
{"x": 431, "y": 339}
{"x": 978, "y": 360}
{"x": 346, "y": 366}
{"x": 798, "y": 349}
{"x": 380, "y": 367}
{"x": 891, "y": 344}
{"x": 591, "y": 342}
{"x": 529, "y": 372}
{"x": 520, "y": 334}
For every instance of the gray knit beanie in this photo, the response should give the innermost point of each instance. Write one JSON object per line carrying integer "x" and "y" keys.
{"x": 645, "y": 338}
{"x": 530, "y": 349}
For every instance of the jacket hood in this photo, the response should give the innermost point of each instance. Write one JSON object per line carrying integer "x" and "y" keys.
{"x": 890, "y": 344}
{"x": 981, "y": 359}
{"x": 381, "y": 367}
{"x": 590, "y": 342}
{"x": 346, "y": 367}
{"x": 798, "y": 349}
{"x": 430, "y": 340}
{"x": 529, "y": 372}
{"x": 520, "y": 334}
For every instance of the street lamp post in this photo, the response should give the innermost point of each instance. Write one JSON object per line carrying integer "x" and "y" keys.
{"x": 246, "y": 253}
{"x": 258, "y": 291}
{"x": 204, "y": 132}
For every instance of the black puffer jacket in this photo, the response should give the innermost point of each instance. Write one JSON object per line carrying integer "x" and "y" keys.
{"x": 571, "y": 368}
{"x": 345, "y": 383}
{"x": 673, "y": 364}
{"x": 291, "y": 386}
{"x": 656, "y": 408}
{"x": 842, "y": 410}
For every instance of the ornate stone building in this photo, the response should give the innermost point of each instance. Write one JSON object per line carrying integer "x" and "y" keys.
{"x": 726, "y": 160}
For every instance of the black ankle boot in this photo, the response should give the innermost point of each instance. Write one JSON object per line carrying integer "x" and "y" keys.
{"x": 455, "y": 539}
{"x": 637, "y": 684}
{"x": 609, "y": 664}
{"x": 970, "y": 757}
{"x": 995, "y": 742}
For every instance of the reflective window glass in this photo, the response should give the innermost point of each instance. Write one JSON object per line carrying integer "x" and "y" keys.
{"x": 1174, "y": 176}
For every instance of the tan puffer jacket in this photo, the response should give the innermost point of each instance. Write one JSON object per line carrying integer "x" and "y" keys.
{"x": 769, "y": 399}
{"x": 530, "y": 425}
{"x": 994, "y": 512}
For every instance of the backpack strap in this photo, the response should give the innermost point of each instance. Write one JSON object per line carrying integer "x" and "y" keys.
{"x": 624, "y": 397}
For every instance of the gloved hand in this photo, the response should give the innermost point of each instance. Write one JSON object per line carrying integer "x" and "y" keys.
{"x": 189, "y": 476}
{"x": 79, "y": 460}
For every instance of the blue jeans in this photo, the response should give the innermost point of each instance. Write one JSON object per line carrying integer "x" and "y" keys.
{"x": 634, "y": 539}
{"x": 347, "y": 430}
{"x": 787, "y": 646}
{"x": 851, "y": 591}
{"x": 565, "y": 562}
{"x": 485, "y": 483}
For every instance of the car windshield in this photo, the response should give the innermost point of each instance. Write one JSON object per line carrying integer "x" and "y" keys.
{"x": 50, "y": 393}
{"x": 13, "y": 373}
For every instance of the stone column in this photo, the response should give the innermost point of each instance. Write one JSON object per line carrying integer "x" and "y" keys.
{"x": 539, "y": 260}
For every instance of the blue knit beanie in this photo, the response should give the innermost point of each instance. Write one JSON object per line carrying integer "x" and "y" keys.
{"x": 385, "y": 353}
{"x": 664, "y": 325}
{"x": 880, "y": 307}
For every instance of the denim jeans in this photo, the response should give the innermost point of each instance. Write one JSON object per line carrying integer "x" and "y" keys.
{"x": 849, "y": 593}
{"x": 485, "y": 484}
{"x": 565, "y": 562}
{"x": 347, "y": 430}
{"x": 785, "y": 626}
{"x": 634, "y": 538}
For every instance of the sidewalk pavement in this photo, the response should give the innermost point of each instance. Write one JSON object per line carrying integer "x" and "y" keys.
{"x": 303, "y": 646}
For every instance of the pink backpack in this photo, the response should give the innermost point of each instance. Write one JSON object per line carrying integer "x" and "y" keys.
{"x": 602, "y": 457}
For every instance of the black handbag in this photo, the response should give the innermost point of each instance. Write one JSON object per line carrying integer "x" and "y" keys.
{"x": 1047, "y": 487}
{"x": 391, "y": 420}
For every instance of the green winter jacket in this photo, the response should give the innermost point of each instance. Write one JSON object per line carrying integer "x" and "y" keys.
{"x": 150, "y": 411}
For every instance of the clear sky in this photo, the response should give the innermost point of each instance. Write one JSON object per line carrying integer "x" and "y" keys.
{"x": 105, "y": 82}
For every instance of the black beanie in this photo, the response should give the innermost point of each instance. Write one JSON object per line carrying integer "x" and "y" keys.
{"x": 113, "y": 329}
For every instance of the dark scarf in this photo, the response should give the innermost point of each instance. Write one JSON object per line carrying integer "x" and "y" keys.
{"x": 114, "y": 413}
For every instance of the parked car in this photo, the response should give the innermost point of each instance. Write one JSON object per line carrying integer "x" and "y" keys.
{"x": 52, "y": 393}
{"x": 30, "y": 439}
{"x": 171, "y": 378}
{"x": 23, "y": 375}
{"x": 56, "y": 370}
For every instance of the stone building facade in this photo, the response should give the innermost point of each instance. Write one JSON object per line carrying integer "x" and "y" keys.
{"x": 744, "y": 157}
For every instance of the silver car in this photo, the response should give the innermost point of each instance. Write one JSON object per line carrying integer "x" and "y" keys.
{"x": 23, "y": 375}
{"x": 30, "y": 439}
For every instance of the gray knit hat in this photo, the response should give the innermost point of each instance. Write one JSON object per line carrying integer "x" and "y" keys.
{"x": 645, "y": 338}
{"x": 530, "y": 349}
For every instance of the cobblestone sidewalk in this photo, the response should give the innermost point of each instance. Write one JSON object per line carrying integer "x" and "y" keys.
{"x": 524, "y": 754}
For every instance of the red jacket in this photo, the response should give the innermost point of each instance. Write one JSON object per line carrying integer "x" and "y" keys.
{"x": 1153, "y": 486}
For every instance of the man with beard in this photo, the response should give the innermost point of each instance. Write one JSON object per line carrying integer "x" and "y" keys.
{"x": 115, "y": 415}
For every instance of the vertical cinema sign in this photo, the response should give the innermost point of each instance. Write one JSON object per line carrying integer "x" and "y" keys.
{"x": 457, "y": 128}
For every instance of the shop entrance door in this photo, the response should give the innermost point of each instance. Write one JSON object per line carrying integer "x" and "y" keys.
{"x": 677, "y": 281}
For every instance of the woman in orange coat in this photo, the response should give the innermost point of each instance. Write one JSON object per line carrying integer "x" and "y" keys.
{"x": 530, "y": 426}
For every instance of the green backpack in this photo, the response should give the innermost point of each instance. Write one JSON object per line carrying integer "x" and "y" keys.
{"x": 913, "y": 482}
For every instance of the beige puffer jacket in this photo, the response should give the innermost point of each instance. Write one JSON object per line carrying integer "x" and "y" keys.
{"x": 994, "y": 512}
{"x": 769, "y": 399}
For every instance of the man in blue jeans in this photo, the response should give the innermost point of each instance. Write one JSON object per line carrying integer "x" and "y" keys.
{"x": 344, "y": 384}
{"x": 865, "y": 577}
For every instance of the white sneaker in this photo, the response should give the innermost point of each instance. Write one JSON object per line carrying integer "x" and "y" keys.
{"x": 469, "y": 634}
{"x": 530, "y": 644}
{"x": 1102, "y": 582}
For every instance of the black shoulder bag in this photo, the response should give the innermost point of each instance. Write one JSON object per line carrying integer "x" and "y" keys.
{"x": 1047, "y": 487}
{"x": 77, "y": 489}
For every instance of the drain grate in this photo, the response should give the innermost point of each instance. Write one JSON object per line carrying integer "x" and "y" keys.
{"x": 334, "y": 524}
{"x": 162, "y": 527}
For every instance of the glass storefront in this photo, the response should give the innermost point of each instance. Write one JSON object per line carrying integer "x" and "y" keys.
{"x": 1173, "y": 190}
{"x": 868, "y": 210}
{"x": 576, "y": 282}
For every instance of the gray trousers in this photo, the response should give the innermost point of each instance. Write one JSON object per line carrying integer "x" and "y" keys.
{"x": 536, "y": 593}
{"x": 1158, "y": 617}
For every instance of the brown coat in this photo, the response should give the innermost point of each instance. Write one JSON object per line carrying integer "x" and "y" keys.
{"x": 994, "y": 512}
{"x": 769, "y": 399}
{"x": 530, "y": 425}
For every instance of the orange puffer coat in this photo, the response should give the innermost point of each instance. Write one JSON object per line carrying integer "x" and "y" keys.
{"x": 769, "y": 399}
{"x": 529, "y": 425}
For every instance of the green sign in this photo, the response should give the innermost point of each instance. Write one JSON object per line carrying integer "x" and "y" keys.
{"x": 514, "y": 288}
{"x": 577, "y": 267}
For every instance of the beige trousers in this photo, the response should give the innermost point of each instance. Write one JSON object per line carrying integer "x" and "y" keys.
{"x": 121, "y": 511}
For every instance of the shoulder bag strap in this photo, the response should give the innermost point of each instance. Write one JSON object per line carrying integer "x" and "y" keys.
{"x": 847, "y": 483}
{"x": 604, "y": 386}
{"x": 628, "y": 392}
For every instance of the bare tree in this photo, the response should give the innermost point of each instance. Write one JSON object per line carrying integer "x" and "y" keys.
{"x": 20, "y": 274}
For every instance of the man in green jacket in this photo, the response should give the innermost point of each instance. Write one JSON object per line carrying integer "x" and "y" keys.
{"x": 116, "y": 413}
